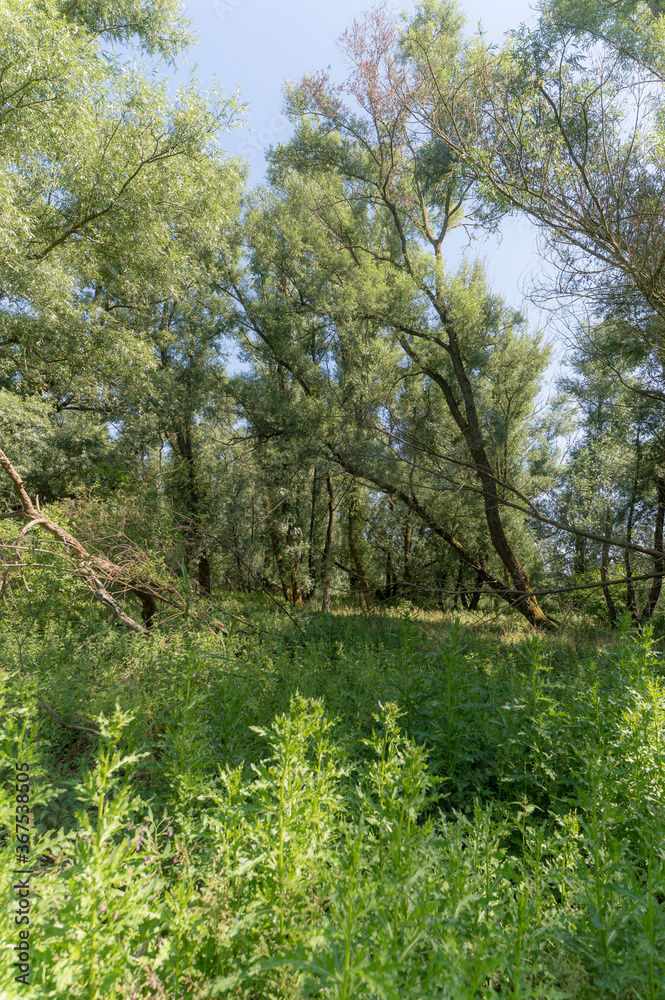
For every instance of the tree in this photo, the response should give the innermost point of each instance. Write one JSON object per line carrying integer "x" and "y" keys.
{"x": 614, "y": 477}
{"x": 357, "y": 229}
{"x": 563, "y": 124}
{"x": 115, "y": 202}
{"x": 100, "y": 181}
{"x": 288, "y": 471}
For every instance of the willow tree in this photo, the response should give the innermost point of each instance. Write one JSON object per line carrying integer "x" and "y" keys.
{"x": 609, "y": 480}
{"x": 354, "y": 230}
{"x": 564, "y": 124}
{"x": 98, "y": 186}
{"x": 115, "y": 198}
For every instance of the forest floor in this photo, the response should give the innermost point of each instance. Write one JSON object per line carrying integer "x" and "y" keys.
{"x": 402, "y": 804}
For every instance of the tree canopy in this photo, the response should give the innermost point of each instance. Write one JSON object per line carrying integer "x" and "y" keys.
{"x": 382, "y": 400}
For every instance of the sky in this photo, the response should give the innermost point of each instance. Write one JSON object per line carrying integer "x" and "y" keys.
{"x": 256, "y": 45}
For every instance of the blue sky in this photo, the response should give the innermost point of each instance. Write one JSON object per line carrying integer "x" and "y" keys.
{"x": 257, "y": 44}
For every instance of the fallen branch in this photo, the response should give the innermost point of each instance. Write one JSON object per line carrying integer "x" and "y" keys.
{"x": 67, "y": 725}
{"x": 89, "y": 568}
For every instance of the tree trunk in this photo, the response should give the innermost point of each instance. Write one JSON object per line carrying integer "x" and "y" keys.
{"x": 276, "y": 548}
{"x": 458, "y": 589}
{"x": 205, "y": 580}
{"x": 406, "y": 552}
{"x": 524, "y": 600}
{"x": 528, "y": 603}
{"x": 294, "y": 565}
{"x": 328, "y": 544}
{"x": 148, "y": 609}
{"x": 579, "y": 562}
{"x": 631, "y": 589}
{"x": 195, "y": 545}
{"x": 360, "y": 583}
{"x": 654, "y": 592}
{"x": 604, "y": 572}
{"x": 514, "y": 597}
{"x": 312, "y": 525}
{"x": 391, "y": 578}
{"x": 475, "y": 594}
{"x": 408, "y": 541}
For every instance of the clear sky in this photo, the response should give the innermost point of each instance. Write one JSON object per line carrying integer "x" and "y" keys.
{"x": 257, "y": 44}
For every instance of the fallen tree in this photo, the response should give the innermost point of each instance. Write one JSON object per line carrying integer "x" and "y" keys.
{"x": 96, "y": 572}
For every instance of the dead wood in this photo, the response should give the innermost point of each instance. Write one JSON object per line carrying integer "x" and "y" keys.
{"x": 94, "y": 571}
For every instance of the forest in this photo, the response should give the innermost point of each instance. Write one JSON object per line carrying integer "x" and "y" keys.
{"x": 332, "y": 644}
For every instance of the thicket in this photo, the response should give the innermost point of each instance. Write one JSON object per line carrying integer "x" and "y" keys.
{"x": 342, "y": 802}
{"x": 338, "y": 805}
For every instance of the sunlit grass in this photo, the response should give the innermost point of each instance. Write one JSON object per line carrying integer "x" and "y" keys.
{"x": 401, "y": 804}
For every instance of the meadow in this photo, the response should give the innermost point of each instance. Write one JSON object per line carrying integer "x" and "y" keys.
{"x": 395, "y": 805}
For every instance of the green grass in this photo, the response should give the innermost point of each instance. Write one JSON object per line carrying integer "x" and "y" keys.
{"x": 398, "y": 806}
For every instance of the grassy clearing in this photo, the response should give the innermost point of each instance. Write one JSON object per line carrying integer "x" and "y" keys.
{"x": 380, "y": 806}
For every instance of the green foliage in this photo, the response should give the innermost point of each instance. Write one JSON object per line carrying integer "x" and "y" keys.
{"x": 383, "y": 808}
{"x": 333, "y": 804}
{"x": 109, "y": 191}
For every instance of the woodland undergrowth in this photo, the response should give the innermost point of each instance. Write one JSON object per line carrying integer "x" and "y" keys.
{"x": 343, "y": 806}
